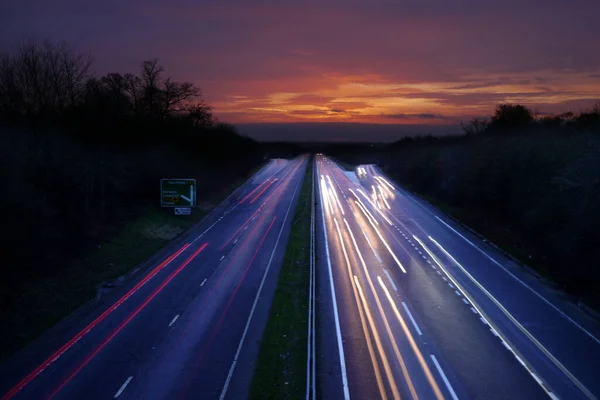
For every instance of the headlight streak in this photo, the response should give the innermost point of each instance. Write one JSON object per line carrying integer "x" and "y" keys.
{"x": 360, "y": 203}
{"x": 386, "y": 182}
{"x": 335, "y": 195}
{"x": 375, "y": 207}
{"x": 387, "y": 247}
{"x": 383, "y": 197}
{"x": 324, "y": 196}
{"x": 376, "y": 336}
{"x": 384, "y": 317}
{"x": 510, "y": 317}
{"x": 413, "y": 344}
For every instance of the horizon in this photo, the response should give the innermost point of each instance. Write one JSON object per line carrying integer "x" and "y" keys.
{"x": 340, "y": 132}
{"x": 410, "y": 65}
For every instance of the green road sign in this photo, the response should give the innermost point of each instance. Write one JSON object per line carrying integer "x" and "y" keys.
{"x": 177, "y": 192}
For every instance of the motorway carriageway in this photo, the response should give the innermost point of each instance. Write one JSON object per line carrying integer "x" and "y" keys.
{"x": 189, "y": 325}
{"x": 411, "y": 308}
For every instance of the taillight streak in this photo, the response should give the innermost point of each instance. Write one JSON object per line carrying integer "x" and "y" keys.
{"x": 216, "y": 328}
{"x": 127, "y": 320}
{"x": 57, "y": 354}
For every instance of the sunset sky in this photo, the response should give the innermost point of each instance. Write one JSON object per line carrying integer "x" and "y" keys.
{"x": 371, "y": 61}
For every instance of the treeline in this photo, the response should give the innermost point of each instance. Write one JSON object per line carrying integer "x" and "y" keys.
{"x": 81, "y": 154}
{"x": 529, "y": 183}
{"x": 516, "y": 118}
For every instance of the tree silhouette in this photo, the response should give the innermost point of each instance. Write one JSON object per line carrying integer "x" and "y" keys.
{"x": 509, "y": 116}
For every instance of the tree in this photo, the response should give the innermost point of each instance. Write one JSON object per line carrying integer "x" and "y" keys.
{"x": 199, "y": 115}
{"x": 41, "y": 79}
{"x": 475, "y": 126}
{"x": 508, "y": 116}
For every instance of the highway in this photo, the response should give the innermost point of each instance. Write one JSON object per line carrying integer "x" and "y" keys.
{"x": 413, "y": 305}
{"x": 188, "y": 324}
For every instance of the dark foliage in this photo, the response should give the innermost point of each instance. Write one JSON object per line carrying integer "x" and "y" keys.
{"x": 532, "y": 186}
{"x": 81, "y": 155}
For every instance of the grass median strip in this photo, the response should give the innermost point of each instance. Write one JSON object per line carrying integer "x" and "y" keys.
{"x": 281, "y": 365}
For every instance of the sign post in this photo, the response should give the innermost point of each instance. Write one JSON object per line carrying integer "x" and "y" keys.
{"x": 179, "y": 194}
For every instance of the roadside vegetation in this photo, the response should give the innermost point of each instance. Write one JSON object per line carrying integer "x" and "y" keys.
{"x": 529, "y": 183}
{"x": 280, "y": 371}
{"x": 81, "y": 157}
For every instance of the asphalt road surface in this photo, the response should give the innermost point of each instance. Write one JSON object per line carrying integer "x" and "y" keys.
{"x": 188, "y": 325}
{"x": 413, "y": 305}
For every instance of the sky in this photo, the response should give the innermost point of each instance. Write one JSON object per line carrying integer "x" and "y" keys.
{"x": 412, "y": 63}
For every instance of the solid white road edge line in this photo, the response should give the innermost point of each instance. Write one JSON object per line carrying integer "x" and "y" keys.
{"x": 262, "y": 282}
{"x": 523, "y": 283}
{"x": 539, "y": 345}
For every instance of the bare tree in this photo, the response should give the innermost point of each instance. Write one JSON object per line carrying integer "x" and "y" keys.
{"x": 42, "y": 78}
{"x": 151, "y": 80}
{"x": 475, "y": 126}
{"x": 199, "y": 115}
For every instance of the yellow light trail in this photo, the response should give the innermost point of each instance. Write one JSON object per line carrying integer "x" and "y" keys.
{"x": 365, "y": 330}
{"x": 409, "y": 383}
{"x": 413, "y": 344}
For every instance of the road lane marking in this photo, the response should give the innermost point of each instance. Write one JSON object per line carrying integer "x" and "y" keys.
{"x": 123, "y": 387}
{"x": 382, "y": 313}
{"x": 62, "y": 350}
{"x": 412, "y": 319}
{"x": 540, "y": 346}
{"x": 458, "y": 293}
{"x": 125, "y": 322}
{"x": 335, "y": 309}
{"x": 523, "y": 283}
{"x": 370, "y": 244}
{"x": 222, "y": 257}
{"x": 203, "y": 282}
{"x": 474, "y": 310}
{"x": 256, "y": 298}
{"x": 443, "y": 375}
{"x": 411, "y": 340}
{"x": 390, "y": 278}
{"x": 311, "y": 341}
{"x": 483, "y": 320}
{"x": 173, "y": 320}
{"x": 386, "y": 246}
{"x": 377, "y": 339}
{"x": 465, "y": 301}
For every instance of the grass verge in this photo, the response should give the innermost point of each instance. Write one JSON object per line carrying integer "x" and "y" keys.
{"x": 281, "y": 364}
{"x": 43, "y": 303}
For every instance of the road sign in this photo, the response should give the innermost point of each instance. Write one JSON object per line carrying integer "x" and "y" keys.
{"x": 177, "y": 192}
{"x": 182, "y": 211}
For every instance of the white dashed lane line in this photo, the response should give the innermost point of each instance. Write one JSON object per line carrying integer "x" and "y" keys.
{"x": 123, "y": 387}
{"x": 173, "y": 320}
